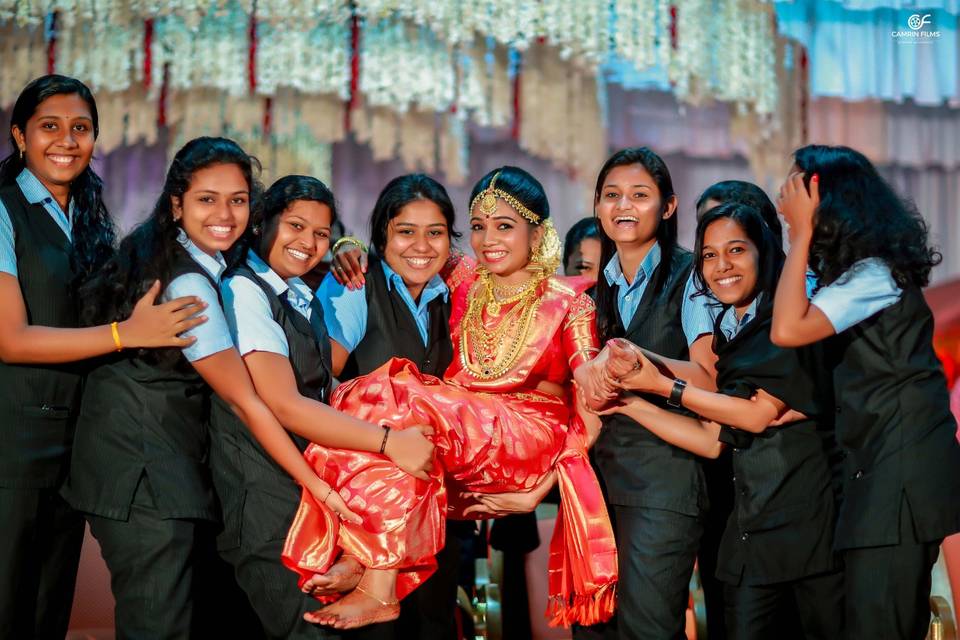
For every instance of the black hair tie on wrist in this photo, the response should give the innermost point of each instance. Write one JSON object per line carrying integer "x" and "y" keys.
{"x": 386, "y": 434}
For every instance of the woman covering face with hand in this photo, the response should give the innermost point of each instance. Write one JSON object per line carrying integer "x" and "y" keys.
{"x": 54, "y": 232}
{"x": 901, "y": 461}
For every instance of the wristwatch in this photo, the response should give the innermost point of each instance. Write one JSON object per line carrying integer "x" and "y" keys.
{"x": 676, "y": 393}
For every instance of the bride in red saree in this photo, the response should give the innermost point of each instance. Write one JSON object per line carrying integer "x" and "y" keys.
{"x": 505, "y": 421}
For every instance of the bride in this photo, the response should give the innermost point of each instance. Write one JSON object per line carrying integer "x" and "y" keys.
{"x": 507, "y": 427}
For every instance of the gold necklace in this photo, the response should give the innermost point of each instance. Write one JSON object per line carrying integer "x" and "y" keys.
{"x": 488, "y": 354}
{"x": 499, "y": 295}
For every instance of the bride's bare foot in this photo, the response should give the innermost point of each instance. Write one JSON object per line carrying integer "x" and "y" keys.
{"x": 373, "y": 600}
{"x": 343, "y": 576}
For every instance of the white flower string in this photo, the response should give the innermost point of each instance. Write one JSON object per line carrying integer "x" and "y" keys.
{"x": 428, "y": 68}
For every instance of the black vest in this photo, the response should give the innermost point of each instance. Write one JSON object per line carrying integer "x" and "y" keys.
{"x": 142, "y": 413}
{"x": 248, "y": 481}
{"x": 39, "y": 402}
{"x": 639, "y": 469}
{"x": 895, "y": 428}
{"x": 392, "y": 331}
{"x": 781, "y": 526}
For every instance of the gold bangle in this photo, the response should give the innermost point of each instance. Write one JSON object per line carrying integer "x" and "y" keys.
{"x": 348, "y": 240}
{"x": 116, "y": 336}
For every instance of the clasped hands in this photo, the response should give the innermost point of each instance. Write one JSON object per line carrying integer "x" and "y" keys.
{"x": 621, "y": 366}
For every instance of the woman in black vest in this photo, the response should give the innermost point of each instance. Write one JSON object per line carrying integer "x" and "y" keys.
{"x": 139, "y": 470}
{"x": 54, "y": 231}
{"x": 277, "y": 325}
{"x": 398, "y": 305}
{"x": 901, "y": 460}
{"x": 656, "y": 490}
{"x": 776, "y": 550}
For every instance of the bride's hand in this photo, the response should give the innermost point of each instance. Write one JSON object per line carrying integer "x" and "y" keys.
{"x": 412, "y": 450}
{"x": 594, "y": 383}
{"x": 622, "y": 358}
{"x": 644, "y": 376}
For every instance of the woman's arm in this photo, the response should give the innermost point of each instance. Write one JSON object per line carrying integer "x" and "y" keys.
{"x": 796, "y": 322}
{"x": 699, "y": 370}
{"x": 696, "y": 436}
{"x": 274, "y": 381}
{"x": 754, "y": 414}
{"x": 149, "y": 325}
{"x": 339, "y": 357}
{"x": 497, "y": 505}
{"x": 225, "y": 373}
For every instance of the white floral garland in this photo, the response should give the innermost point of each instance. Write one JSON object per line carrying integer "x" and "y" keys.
{"x": 427, "y": 68}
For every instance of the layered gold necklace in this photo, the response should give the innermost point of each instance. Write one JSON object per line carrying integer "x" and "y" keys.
{"x": 489, "y": 353}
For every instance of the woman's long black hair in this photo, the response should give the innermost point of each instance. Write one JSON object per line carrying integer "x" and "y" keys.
{"x": 93, "y": 232}
{"x": 149, "y": 252}
{"x": 283, "y": 193}
{"x": 770, "y": 258}
{"x": 400, "y": 192}
{"x": 608, "y": 322}
{"x": 861, "y": 216}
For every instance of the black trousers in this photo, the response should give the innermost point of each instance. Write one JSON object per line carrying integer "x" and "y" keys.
{"x": 719, "y": 475}
{"x": 657, "y": 550}
{"x": 162, "y": 572}
{"x": 887, "y": 589}
{"x": 774, "y": 611}
{"x": 272, "y": 591}
{"x": 39, "y": 554}
{"x": 429, "y": 612}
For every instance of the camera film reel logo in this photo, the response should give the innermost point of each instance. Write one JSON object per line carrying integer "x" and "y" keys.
{"x": 917, "y": 22}
{"x": 916, "y": 34}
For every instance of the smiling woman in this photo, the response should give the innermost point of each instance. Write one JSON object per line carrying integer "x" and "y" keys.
{"x": 139, "y": 469}
{"x": 277, "y": 326}
{"x": 54, "y": 231}
{"x": 507, "y": 425}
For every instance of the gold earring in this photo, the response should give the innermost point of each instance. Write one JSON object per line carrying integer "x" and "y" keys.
{"x": 21, "y": 153}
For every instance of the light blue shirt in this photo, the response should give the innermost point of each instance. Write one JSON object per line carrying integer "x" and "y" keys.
{"x": 730, "y": 324}
{"x": 630, "y": 294}
{"x": 248, "y": 309}
{"x": 865, "y": 289}
{"x": 701, "y": 311}
{"x": 35, "y": 193}
{"x": 345, "y": 311}
{"x": 213, "y": 336}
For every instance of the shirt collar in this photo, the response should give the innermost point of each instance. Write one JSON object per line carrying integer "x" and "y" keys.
{"x": 214, "y": 265}
{"x": 733, "y": 325}
{"x": 434, "y": 287}
{"x": 262, "y": 269}
{"x": 613, "y": 272}
{"x": 35, "y": 193}
{"x": 298, "y": 292}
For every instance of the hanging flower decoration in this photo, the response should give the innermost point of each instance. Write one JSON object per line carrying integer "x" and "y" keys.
{"x": 408, "y": 76}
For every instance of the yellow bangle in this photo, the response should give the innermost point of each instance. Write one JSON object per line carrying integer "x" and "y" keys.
{"x": 345, "y": 240}
{"x": 116, "y": 336}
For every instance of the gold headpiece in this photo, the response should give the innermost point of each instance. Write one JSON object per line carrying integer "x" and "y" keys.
{"x": 487, "y": 202}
